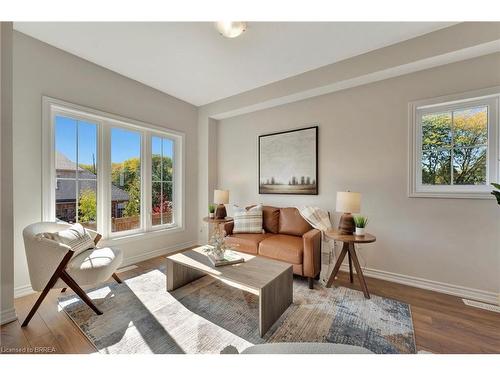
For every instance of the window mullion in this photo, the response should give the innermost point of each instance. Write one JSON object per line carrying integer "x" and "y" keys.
{"x": 146, "y": 181}
{"x": 452, "y": 153}
{"x": 104, "y": 181}
{"x": 77, "y": 185}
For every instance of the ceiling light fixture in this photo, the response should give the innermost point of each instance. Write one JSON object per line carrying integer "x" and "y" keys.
{"x": 231, "y": 29}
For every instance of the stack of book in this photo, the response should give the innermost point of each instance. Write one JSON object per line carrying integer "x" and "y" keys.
{"x": 230, "y": 257}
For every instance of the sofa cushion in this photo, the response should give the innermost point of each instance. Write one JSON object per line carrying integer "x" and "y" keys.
{"x": 247, "y": 242}
{"x": 247, "y": 220}
{"x": 283, "y": 247}
{"x": 292, "y": 223}
{"x": 271, "y": 219}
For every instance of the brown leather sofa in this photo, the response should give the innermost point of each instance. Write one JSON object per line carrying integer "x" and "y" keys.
{"x": 288, "y": 238}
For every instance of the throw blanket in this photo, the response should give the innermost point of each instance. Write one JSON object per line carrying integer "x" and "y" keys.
{"x": 319, "y": 219}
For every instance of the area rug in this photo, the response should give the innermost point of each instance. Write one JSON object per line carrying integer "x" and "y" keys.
{"x": 210, "y": 316}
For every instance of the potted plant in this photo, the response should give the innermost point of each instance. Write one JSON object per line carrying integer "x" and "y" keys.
{"x": 211, "y": 210}
{"x": 496, "y": 193}
{"x": 361, "y": 222}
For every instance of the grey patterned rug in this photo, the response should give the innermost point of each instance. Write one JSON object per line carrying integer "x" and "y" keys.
{"x": 209, "y": 316}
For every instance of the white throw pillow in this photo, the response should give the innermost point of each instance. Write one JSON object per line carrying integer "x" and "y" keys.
{"x": 247, "y": 220}
{"x": 75, "y": 237}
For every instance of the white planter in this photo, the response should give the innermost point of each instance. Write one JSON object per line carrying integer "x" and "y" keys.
{"x": 211, "y": 215}
{"x": 360, "y": 231}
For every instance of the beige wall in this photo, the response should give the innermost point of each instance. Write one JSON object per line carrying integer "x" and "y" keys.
{"x": 7, "y": 312}
{"x": 40, "y": 69}
{"x": 363, "y": 136}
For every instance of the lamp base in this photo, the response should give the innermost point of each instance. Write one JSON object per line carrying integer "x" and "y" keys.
{"x": 346, "y": 224}
{"x": 220, "y": 212}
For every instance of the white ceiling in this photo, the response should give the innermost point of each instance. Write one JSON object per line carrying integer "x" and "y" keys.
{"x": 191, "y": 61}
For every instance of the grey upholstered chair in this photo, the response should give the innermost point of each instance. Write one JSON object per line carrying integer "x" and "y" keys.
{"x": 52, "y": 265}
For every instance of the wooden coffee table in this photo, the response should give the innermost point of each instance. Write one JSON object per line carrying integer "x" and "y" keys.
{"x": 271, "y": 280}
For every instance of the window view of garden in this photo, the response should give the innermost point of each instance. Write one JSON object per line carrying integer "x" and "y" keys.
{"x": 454, "y": 147}
{"x": 161, "y": 177}
{"x": 76, "y": 165}
{"x": 126, "y": 176}
{"x": 76, "y": 172}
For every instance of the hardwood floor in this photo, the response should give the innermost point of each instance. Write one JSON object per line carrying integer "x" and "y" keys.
{"x": 443, "y": 324}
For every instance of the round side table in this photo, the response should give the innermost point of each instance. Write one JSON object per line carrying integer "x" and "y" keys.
{"x": 348, "y": 248}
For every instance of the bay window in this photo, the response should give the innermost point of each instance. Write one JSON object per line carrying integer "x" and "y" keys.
{"x": 118, "y": 176}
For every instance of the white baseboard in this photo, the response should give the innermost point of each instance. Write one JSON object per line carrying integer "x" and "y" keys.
{"x": 22, "y": 291}
{"x": 7, "y": 316}
{"x": 436, "y": 286}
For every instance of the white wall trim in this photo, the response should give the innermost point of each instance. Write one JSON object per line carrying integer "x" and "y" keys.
{"x": 436, "y": 286}
{"x": 431, "y": 62}
{"x": 25, "y": 290}
{"x": 7, "y": 316}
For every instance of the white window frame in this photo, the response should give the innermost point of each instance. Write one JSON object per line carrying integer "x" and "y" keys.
{"x": 105, "y": 122}
{"x": 487, "y": 97}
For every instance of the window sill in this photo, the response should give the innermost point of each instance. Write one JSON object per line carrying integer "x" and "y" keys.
{"x": 452, "y": 195}
{"x": 141, "y": 235}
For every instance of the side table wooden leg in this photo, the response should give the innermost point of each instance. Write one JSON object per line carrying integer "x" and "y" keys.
{"x": 344, "y": 251}
{"x": 359, "y": 272}
{"x": 350, "y": 267}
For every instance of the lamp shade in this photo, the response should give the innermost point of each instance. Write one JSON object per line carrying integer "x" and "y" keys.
{"x": 221, "y": 196}
{"x": 348, "y": 202}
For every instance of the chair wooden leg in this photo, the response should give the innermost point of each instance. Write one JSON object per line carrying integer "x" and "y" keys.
{"x": 52, "y": 281}
{"x": 117, "y": 279}
{"x": 311, "y": 282}
{"x": 38, "y": 302}
{"x": 63, "y": 290}
{"x": 79, "y": 291}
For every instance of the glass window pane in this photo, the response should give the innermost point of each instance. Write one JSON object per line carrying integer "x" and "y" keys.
{"x": 162, "y": 159}
{"x": 168, "y": 204}
{"x": 436, "y": 167}
{"x": 436, "y": 130}
{"x": 470, "y": 127}
{"x": 469, "y": 166}
{"x": 168, "y": 153}
{"x": 65, "y": 142}
{"x": 156, "y": 203}
{"x": 87, "y": 150}
{"x": 126, "y": 180}
{"x": 156, "y": 158}
{"x": 87, "y": 203}
{"x": 66, "y": 200}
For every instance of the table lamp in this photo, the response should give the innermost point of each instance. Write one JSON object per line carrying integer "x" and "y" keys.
{"x": 221, "y": 197}
{"x": 347, "y": 203}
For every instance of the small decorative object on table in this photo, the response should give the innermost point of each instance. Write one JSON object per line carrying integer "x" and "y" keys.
{"x": 221, "y": 197}
{"x": 218, "y": 251}
{"x": 347, "y": 202}
{"x": 361, "y": 223}
{"x": 211, "y": 210}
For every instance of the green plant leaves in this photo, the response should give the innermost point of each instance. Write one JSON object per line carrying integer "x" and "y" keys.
{"x": 495, "y": 192}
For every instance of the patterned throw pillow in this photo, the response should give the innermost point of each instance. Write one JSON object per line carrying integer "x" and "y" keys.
{"x": 247, "y": 220}
{"x": 75, "y": 237}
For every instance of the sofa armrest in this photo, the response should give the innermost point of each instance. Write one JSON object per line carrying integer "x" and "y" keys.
{"x": 312, "y": 253}
{"x": 227, "y": 227}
